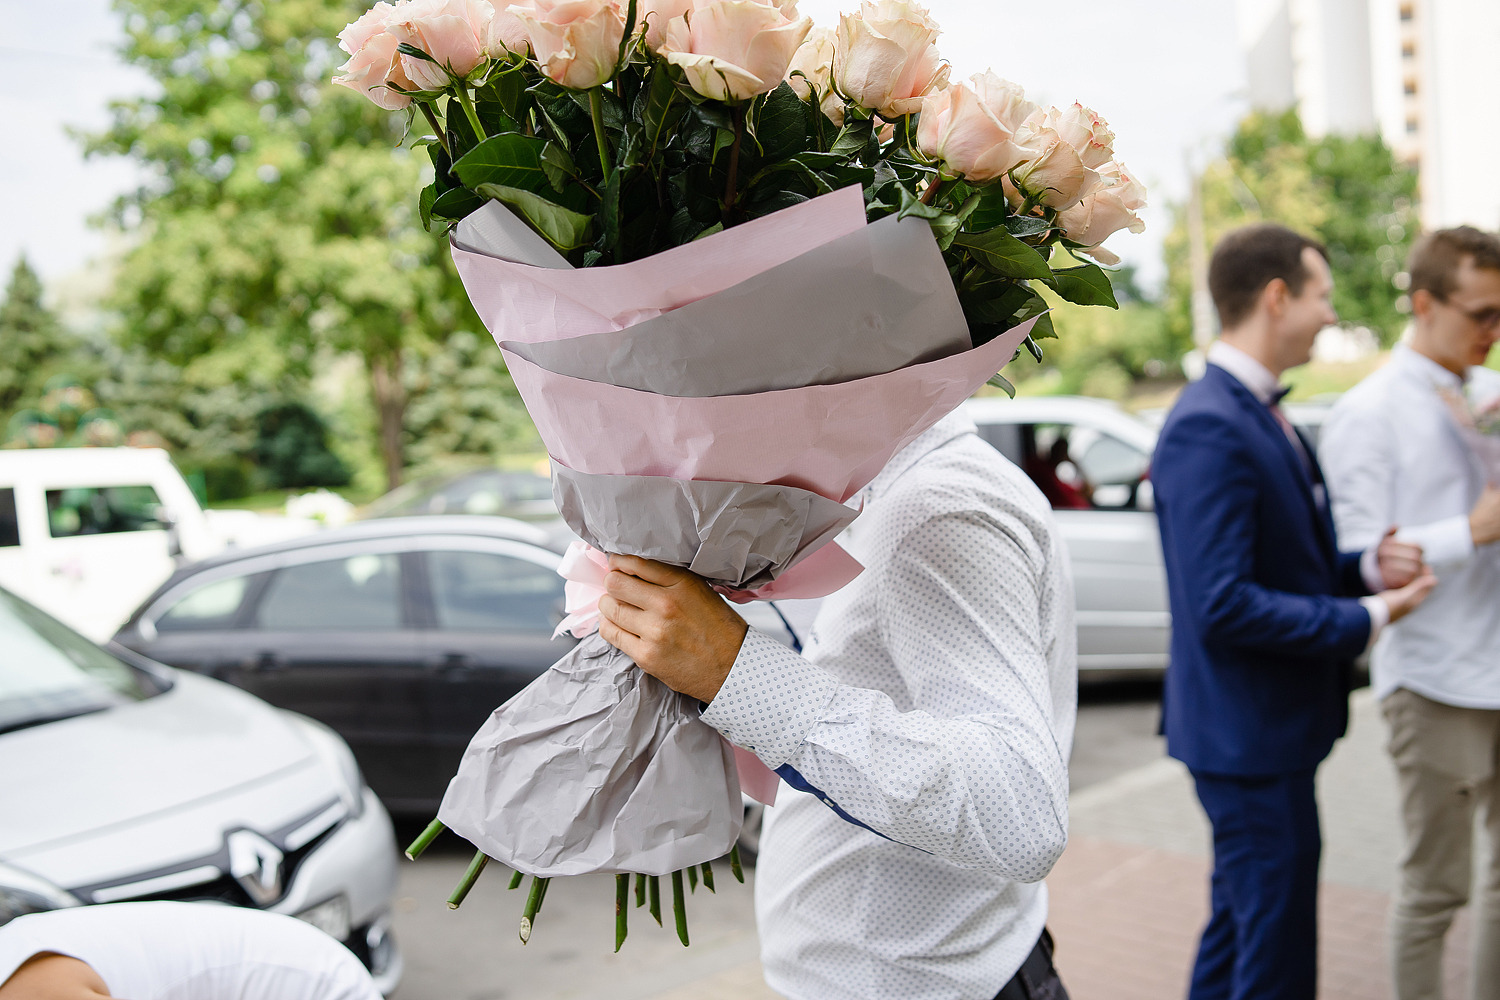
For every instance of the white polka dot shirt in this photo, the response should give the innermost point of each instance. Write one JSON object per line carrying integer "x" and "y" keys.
{"x": 930, "y": 718}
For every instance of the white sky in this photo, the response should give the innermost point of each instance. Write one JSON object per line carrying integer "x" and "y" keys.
{"x": 1167, "y": 74}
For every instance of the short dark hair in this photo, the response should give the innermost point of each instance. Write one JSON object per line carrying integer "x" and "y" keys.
{"x": 1249, "y": 259}
{"x": 1435, "y": 259}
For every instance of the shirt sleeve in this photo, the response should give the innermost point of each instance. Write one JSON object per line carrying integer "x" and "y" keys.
{"x": 973, "y": 772}
{"x": 1447, "y": 542}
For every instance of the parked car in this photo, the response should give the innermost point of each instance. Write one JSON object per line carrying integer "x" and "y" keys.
{"x": 1092, "y": 461}
{"x": 122, "y": 779}
{"x": 521, "y": 495}
{"x": 401, "y": 634}
{"x": 86, "y": 533}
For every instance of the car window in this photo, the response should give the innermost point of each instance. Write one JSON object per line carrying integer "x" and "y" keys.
{"x": 1004, "y": 438}
{"x": 486, "y": 590}
{"x": 1081, "y": 468}
{"x": 101, "y": 510}
{"x": 211, "y": 606}
{"x": 10, "y": 528}
{"x": 359, "y": 592}
{"x": 47, "y": 671}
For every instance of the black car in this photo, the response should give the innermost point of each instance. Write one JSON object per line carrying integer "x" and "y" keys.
{"x": 402, "y": 635}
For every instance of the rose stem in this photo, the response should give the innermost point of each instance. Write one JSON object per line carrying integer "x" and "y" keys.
{"x": 515, "y": 880}
{"x": 596, "y": 111}
{"x": 655, "y": 886}
{"x": 425, "y": 838}
{"x": 708, "y": 877}
{"x": 734, "y": 864}
{"x": 437, "y": 126}
{"x": 732, "y": 184}
{"x": 470, "y": 877}
{"x": 692, "y": 874}
{"x": 679, "y": 908}
{"x": 640, "y": 890}
{"x": 546, "y": 884}
{"x": 471, "y": 113}
{"x": 533, "y": 903}
{"x": 622, "y": 908}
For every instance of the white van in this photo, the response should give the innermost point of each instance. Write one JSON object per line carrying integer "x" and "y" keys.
{"x": 87, "y": 533}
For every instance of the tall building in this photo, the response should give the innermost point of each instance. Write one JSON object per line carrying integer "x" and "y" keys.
{"x": 1424, "y": 73}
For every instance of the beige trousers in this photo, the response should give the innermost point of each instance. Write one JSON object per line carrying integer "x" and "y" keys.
{"x": 1448, "y": 763}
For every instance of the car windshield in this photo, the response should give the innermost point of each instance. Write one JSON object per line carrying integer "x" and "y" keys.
{"x": 49, "y": 672}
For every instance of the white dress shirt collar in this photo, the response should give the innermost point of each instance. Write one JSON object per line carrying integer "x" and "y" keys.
{"x": 1256, "y": 377}
{"x": 1418, "y": 363}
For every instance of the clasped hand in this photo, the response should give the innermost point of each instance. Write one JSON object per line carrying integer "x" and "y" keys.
{"x": 671, "y": 623}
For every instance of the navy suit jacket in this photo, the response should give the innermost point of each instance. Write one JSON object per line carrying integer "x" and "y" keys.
{"x": 1264, "y": 625}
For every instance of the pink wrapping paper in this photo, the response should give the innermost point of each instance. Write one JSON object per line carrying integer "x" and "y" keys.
{"x": 830, "y": 439}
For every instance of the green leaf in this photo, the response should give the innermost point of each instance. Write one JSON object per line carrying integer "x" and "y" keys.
{"x": 407, "y": 49}
{"x": 455, "y": 203}
{"x": 562, "y": 227}
{"x": 1003, "y": 384}
{"x": 507, "y": 160}
{"x": 1044, "y": 330}
{"x": 1000, "y": 252}
{"x": 558, "y": 166}
{"x": 508, "y": 89}
{"x": 609, "y": 212}
{"x": 781, "y": 123}
{"x": 1026, "y": 226}
{"x": 656, "y": 107}
{"x": 853, "y": 138}
{"x": 944, "y": 229}
{"x": 912, "y": 205}
{"x": 1087, "y": 285}
{"x": 424, "y": 205}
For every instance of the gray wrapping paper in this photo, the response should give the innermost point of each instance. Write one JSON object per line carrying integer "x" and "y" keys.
{"x": 865, "y": 304}
{"x": 596, "y": 767}
{"x": 739, "y": 535}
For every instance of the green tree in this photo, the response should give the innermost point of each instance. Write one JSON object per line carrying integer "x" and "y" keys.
{"x": 1348, "y": 192}
{"x": 278, "y": 229}
{"x": 463, "y": 404}
{"x": 33, "y": 344}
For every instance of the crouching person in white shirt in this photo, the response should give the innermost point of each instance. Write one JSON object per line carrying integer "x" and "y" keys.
{"x": 175, "y": 951}
{"x": 925, "y": 728}
{"x": 1393, "y": 456}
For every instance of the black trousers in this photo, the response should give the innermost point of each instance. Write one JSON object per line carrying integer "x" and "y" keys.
{"x": 1036, "y": 979}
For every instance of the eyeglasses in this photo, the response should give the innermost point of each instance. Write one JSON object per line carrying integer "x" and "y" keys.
{"x": 1485, "y": 319}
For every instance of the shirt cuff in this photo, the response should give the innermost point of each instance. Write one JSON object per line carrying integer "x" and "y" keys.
{"x": 771, "y": 699}
{"x": 1380, "y": 617}
{"x": 1369, "y": 570}
{"x": 1443, "y": 542}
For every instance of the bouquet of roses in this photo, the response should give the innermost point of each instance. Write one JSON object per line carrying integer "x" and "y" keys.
{"x": 734, "y": 266}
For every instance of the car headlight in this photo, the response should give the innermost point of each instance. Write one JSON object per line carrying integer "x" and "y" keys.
{"x": 336, "y": 755}
{"x": 22, "y": 892}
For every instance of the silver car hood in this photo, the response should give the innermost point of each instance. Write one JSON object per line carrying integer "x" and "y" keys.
{"x": 156, "y": 780}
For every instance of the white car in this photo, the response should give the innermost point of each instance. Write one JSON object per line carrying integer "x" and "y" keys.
{"x": 87, "y": 533}
{"x": 1092, "y": 461}
{"x": 121, "y": 779}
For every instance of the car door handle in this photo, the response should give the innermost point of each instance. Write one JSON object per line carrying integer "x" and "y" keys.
{"x": 451, "y": 663}
{"x": 267, "y": 660}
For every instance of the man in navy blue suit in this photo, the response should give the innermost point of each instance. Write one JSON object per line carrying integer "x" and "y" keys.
{"x": 1268, "y": 615}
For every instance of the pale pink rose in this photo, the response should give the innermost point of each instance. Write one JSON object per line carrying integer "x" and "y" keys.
{"x": 453, "y": 32}
{"x": 732, "y": 50}
{"x": 575, "y": 42}
{"x": 1085, "y": 131}
{"x": 374, "y": 67}
{"x": 1110, "y": 208}
{"x": 959, "y": 129}
{"x": 506, "y": 35}
{"x": 1003, "y": 99}
{"x": 886, "y": 59}
{"x": 811, "y": 71}
{"x": 652, "y": 17}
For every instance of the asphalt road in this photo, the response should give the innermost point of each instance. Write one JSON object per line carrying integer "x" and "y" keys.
{"x": 474, "y": 953}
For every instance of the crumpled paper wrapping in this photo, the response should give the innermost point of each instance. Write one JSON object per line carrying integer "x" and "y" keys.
{"x": 596, "y": 767}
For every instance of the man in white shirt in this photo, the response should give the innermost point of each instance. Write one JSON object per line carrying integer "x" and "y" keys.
{"x": 1393, "y": 455}
{"x": 175, "y": 951}
{"x": 926, "y": 731}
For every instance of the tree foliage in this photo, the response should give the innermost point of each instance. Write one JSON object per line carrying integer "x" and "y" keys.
{"x": 276, "y": 229}
{"x": 1348, "y": 192}
{"x": 33, "y": 344}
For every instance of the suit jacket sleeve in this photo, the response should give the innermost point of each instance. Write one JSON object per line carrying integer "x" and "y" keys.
{"x": 1211, "y": 512}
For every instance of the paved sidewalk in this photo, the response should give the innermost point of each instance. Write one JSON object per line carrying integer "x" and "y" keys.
{"x": 1130, "y": 895}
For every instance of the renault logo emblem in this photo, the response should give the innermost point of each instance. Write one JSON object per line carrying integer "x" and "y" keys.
{"x": 255, "y": 863}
